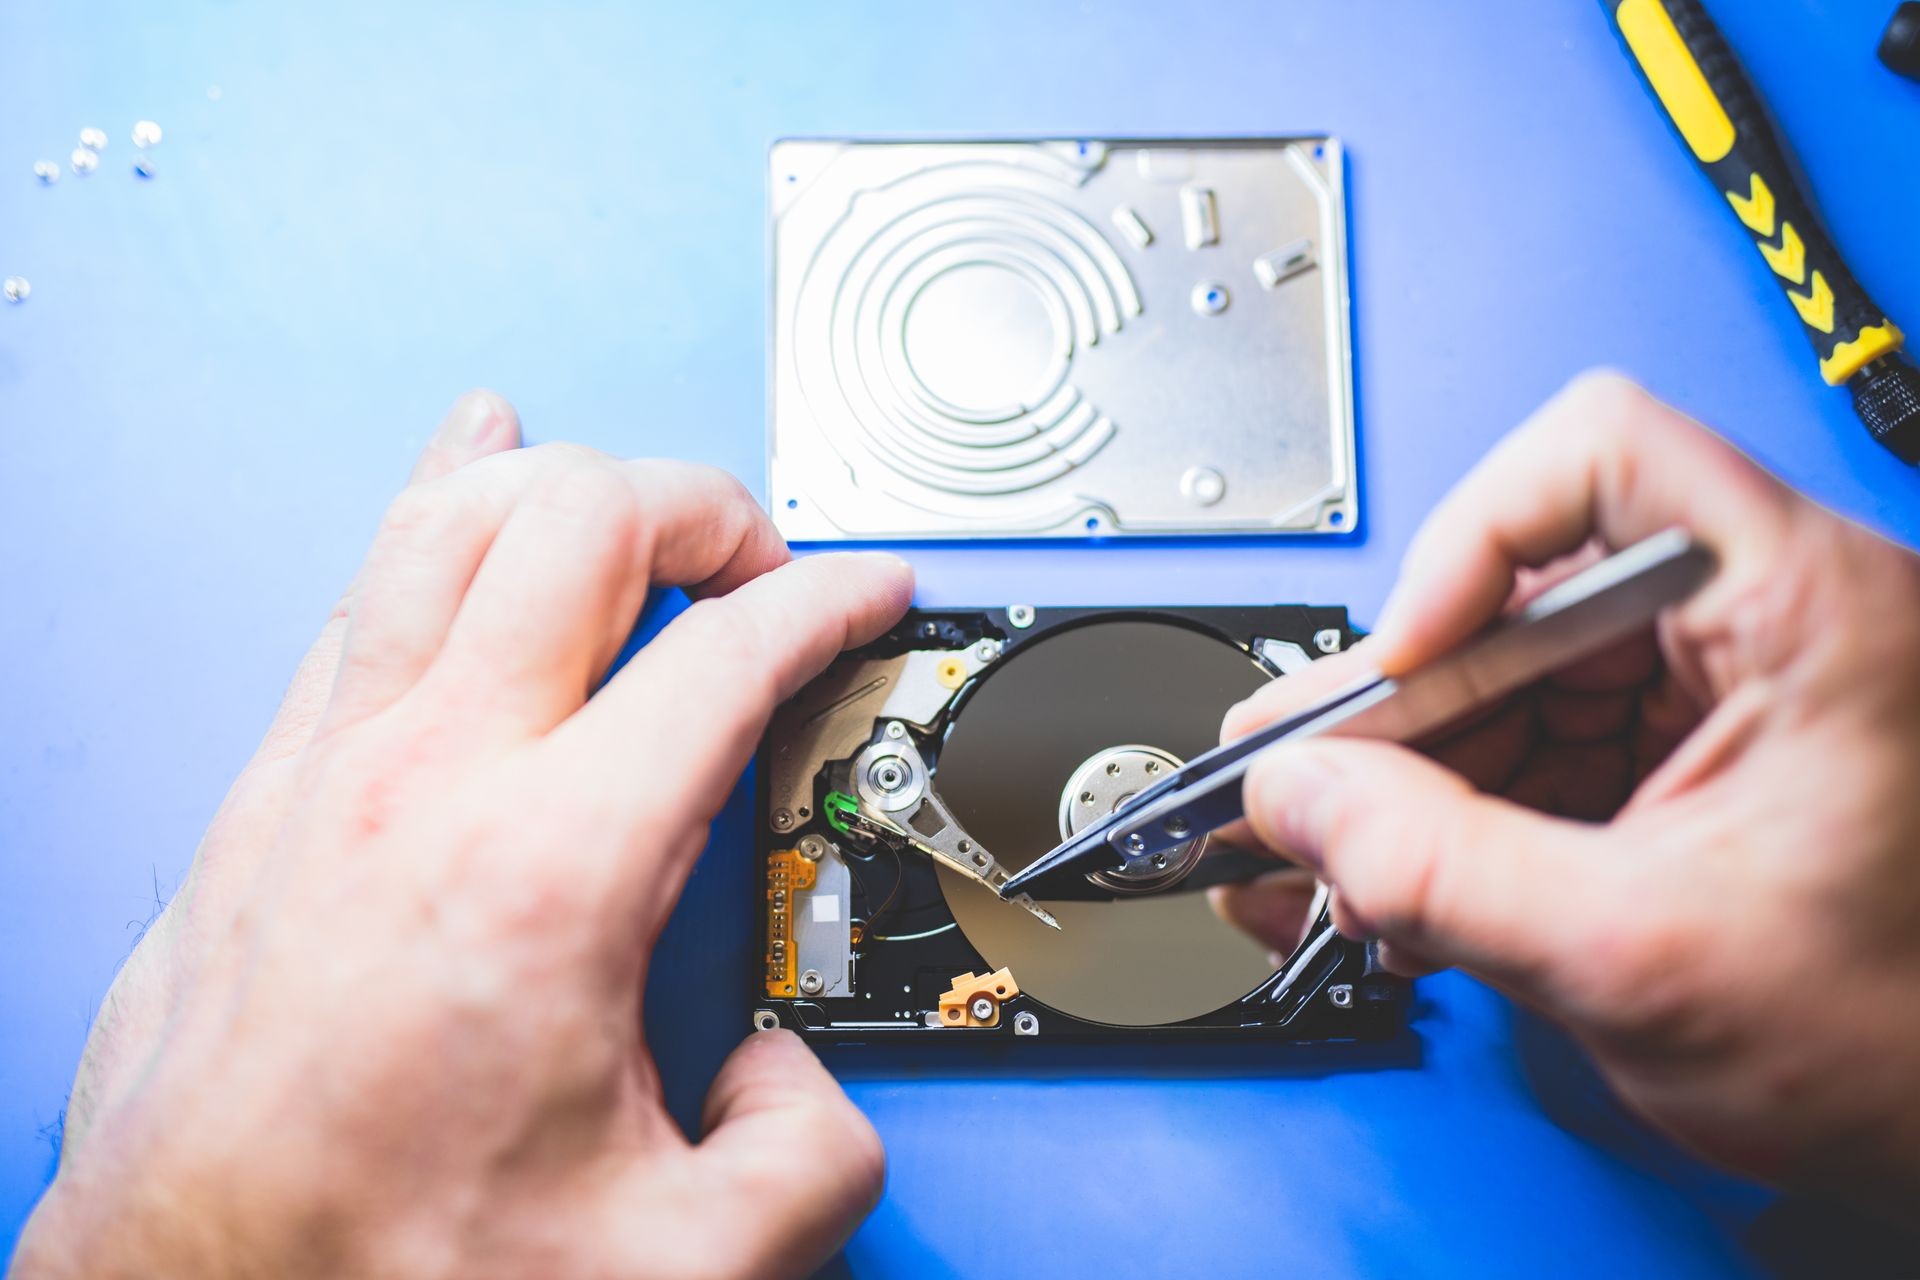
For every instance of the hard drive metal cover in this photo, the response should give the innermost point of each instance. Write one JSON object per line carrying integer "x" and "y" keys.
{"x": 1048, "y": 339}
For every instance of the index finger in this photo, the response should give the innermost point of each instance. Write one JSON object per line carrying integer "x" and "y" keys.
{"x": 1601, "y": 459}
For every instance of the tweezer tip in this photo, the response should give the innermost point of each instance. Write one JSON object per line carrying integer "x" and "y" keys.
{"x": 1040, "y": 913}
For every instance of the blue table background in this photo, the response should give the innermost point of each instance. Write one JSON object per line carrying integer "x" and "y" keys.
{"x": 223, "y": 373}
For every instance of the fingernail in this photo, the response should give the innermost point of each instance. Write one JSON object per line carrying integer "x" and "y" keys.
{"x": 475, "y": 419}
{"x": 1292, "y": 795}
{"x": 884, "y": 561}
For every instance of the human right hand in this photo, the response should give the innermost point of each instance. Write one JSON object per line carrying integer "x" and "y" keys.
{"x": 1700, "y": 851}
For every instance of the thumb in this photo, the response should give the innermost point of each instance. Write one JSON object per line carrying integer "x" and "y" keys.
{"x": 1422, "y": 861}
{"x": 804, "y": 1164}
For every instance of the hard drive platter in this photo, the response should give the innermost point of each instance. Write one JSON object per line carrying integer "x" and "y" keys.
{"x": 917, "y": 773}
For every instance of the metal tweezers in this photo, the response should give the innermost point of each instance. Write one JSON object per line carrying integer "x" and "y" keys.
{"x": 1572, "y": 620}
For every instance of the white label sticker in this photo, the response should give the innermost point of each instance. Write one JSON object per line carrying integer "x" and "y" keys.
{"x": 826, "y": 909}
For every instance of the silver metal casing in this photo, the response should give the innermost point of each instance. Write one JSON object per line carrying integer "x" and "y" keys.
{"x": 1049, "y": 339}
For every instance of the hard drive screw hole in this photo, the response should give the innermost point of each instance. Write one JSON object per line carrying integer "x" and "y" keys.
{"x": 1341, "y": 995}
{"x": 1153, "y": 766}
{"x": 793, "y": 504}
{"x": 1176, "y": 826}
{"x": 1086, "y": 797}
{"x": 966, "y": 846}
{"x": 1337, "y": 518}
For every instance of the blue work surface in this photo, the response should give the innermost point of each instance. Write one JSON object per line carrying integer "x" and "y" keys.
{"x": 361, "y": 209}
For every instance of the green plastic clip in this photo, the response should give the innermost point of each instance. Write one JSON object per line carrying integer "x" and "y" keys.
{"x": 838, "y": 806}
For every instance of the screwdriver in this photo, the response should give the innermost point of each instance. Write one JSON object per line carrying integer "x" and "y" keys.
{"x": 1712, "y": 105}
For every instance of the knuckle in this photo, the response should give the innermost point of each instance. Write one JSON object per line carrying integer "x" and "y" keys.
{"x": 427, "y": 514}
{"x": 585, "y": 490}
{"x": 730, "y": 638}
{"x": 1636, "y": 972}
{"x": 556, "y": 454}
{"x": 1608, "y": 399}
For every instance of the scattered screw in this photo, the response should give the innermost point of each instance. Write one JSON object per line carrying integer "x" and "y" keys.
{"x": 1327, "y": 641}
{"x": 143, "y": 165}
{"x": 1020, "y": 615}
{"x": 94, "y": 139}
{"x": 16, "y": 288}
{"x": 146, "y": 134}
{"x": 84, "y": 161}
{"x": 48, "y": 171}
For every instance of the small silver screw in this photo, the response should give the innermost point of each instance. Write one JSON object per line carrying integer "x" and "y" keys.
{"x": 1026, "y": 1024}
{"x": 895, "y": 729}
{"x": 982, "y": 1008}
{"x": 94, "y": 139}
{"x": 146, "y": 134}
{"x": 48, "y": 171}
{"x": 84, "y": 161}
{"x": 985, "y": 651}
{"x": 16, "y": 289}
{"x": 143, "y": 165}
{"x": 1327, "y": 641}
{"x": 1341, "y": 994}
{"x": 1136, "y": 843}
{"x": 813, "y": 848}
{"x": 783, "y": 819}
{"x": 812, "y": 983}
{"x": 1020, "y": 615}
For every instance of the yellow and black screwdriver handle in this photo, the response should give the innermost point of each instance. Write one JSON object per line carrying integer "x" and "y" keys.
{"x": 1713, "y": 107}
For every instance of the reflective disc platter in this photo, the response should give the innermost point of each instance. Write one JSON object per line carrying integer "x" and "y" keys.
{"x": 1035, "y": 720}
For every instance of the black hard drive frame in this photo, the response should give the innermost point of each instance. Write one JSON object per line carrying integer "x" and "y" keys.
{"x": 1331, "y": 989}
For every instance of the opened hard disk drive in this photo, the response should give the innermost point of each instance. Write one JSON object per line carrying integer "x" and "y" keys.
{"x": 1050, "y": 339}
{"x": 905, "y": 785}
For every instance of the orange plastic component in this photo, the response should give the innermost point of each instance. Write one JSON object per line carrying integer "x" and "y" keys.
{"x": 957, "y": 1005}
{"x": 787, "y": 873}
